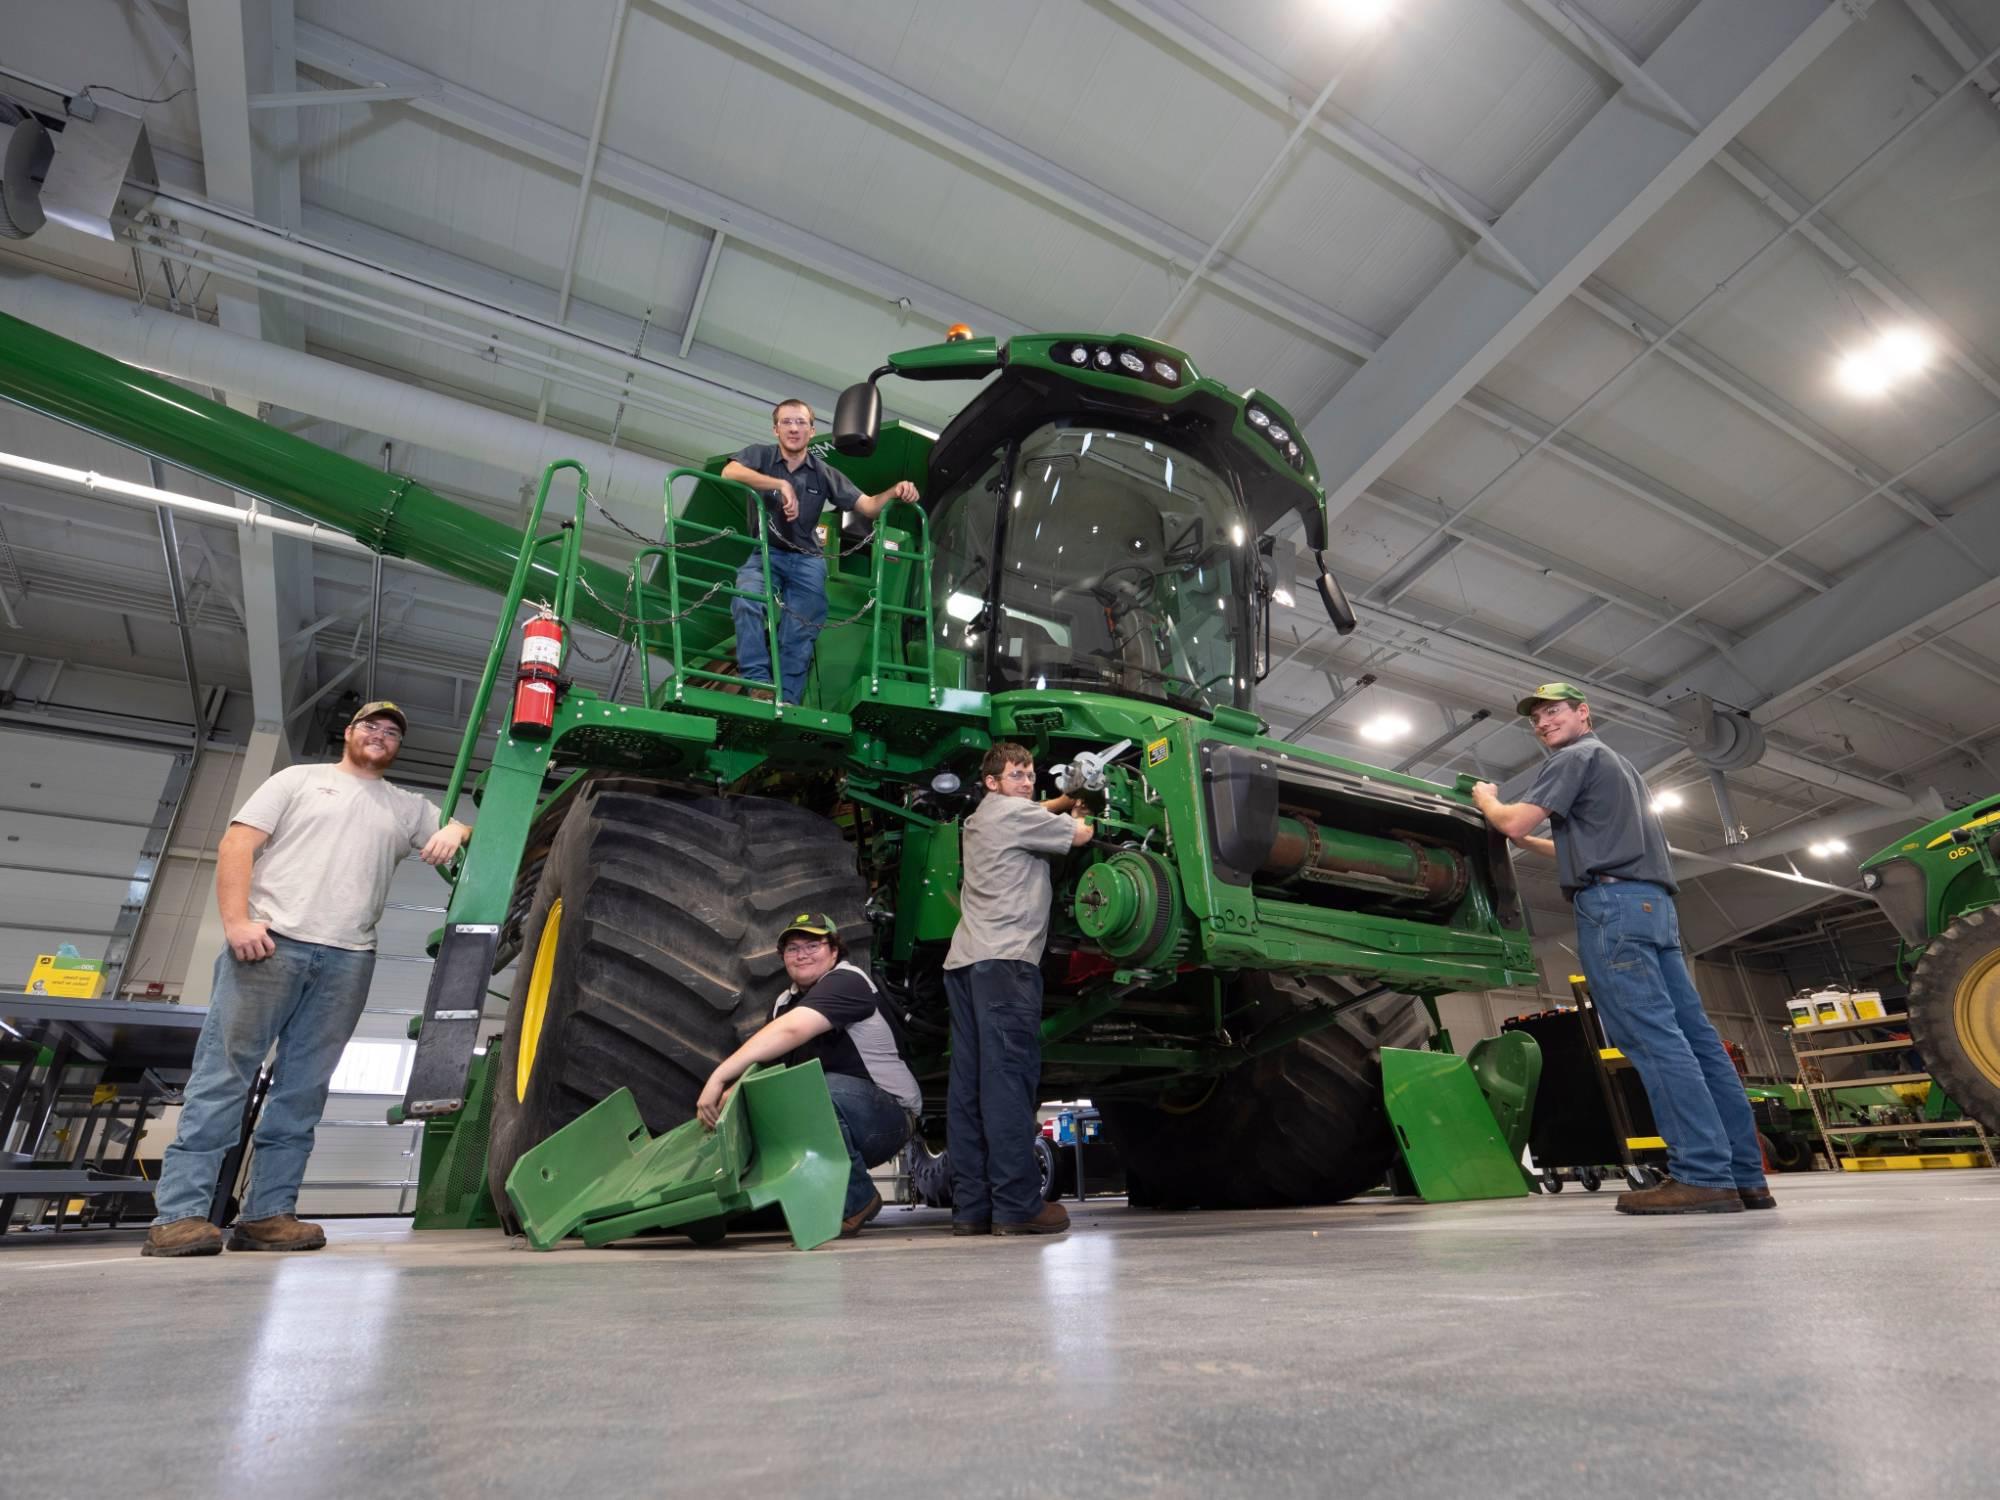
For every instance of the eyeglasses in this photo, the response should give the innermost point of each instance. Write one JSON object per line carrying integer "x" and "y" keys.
{"x": 794, "y": 422}
{"x": 1549, "y": 711}
{"x": 380, "y": 732}
{"x": 1018, "y": 773}
{"x": 803, "y": 948}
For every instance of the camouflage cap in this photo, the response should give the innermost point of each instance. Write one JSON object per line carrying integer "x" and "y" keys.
{"x": 386, "y": 709}
{"x": 812, "y": 923}
{"x": 1550, "y": 692}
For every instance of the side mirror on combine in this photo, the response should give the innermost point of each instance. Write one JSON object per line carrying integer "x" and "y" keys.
{"x": 1334, "y": 597}
{"x": 857, "y": 420}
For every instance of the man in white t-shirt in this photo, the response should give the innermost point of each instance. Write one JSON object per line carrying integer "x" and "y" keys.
{"x": 301, "y": 879}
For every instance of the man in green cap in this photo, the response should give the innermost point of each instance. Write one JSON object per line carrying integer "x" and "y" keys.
{"x": 832, "y": 1012}
{"x": 301, "y": 878}
{"x": 1611, "y": 861}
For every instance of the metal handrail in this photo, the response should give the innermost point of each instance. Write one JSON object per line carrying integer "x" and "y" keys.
{"x": 669, "y": 548}
{"x": 570, "y": 538}
{"x": 919, "y": 557}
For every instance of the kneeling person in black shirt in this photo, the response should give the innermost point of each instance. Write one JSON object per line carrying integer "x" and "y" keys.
{"x": 832, "y": 1012}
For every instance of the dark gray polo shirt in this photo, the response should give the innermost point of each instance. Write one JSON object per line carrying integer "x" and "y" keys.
{"x": 815, "y": 483}
{"x": 1602, "y": 817}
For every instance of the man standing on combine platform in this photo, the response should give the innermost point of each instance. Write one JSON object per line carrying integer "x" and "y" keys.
{"x": 832, "y": 1012}
{"x": 797, "y": 486}
{"x": 301, "y": 879}
{"x": 993, "y": 978}
{"x": 1611, "y": 860}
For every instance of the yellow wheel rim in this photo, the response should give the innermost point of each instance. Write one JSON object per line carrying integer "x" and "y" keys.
{"x": 1976, "y": 1015}
{"x": 537, "y": 1009}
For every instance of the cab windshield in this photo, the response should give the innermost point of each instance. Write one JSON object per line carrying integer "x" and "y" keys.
{"x": 1122, "y": 568}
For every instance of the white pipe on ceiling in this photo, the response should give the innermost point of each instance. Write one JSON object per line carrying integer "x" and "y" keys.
{"x": 207, "y": 356}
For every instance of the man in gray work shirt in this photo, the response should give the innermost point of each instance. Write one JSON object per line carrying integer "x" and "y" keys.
{"x": 1611, "y": 860}
{"x": 993, "y": 978}
{"x": 301, "y": 879}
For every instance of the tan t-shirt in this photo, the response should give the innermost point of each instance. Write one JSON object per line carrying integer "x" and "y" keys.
{"x": 1004, "y": 890}
{"x": 323, "y": 876}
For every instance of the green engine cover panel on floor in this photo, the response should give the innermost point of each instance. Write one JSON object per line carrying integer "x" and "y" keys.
{"x": 1448, "y": 1135}
{"x": 601, "y": 1176}
{"x": 1508, "y": 1069}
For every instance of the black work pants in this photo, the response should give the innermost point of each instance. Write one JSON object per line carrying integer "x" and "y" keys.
{"x": 996, "y": 1067}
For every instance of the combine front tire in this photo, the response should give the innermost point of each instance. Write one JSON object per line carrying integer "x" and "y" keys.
{"x": 1303, "y": 1124}
{"x": 650, "y": 953}
{"x": 1955, "y": 1013}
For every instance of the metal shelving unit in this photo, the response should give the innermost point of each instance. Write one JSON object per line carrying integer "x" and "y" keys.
{"x": 1816, "y": 1089}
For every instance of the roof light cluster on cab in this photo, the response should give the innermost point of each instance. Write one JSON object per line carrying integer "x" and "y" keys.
{"x": 1119, "y": 359}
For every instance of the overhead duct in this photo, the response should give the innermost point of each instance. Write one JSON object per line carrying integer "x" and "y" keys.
{"x": 69, "y": 166}
{"x": 207, "y": 356}
{"x": 1721, "y": 740}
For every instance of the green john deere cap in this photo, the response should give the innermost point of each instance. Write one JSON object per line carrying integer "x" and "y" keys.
{"x": 1550, "y": 692}
{"x": 384, "y": 707}
{"x": 816, "y": 923}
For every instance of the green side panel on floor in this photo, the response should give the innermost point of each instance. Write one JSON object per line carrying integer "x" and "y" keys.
{"x": 603, "y": 1178}
{"x": 452, "y": 1191}
{"x": 1508, "y": 1069}
{"x": 1450, "y": 1140}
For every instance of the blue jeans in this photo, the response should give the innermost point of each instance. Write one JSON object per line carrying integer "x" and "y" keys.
{"x": 799, "y": 581}
{"x": 996, "y": 1067}
{"x": 873, "y": 1125}
{"x": 306, "y": 997}
{"x": 1629, "y": 938}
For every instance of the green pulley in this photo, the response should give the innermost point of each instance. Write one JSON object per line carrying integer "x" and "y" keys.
{"x": 1130, "y": 906}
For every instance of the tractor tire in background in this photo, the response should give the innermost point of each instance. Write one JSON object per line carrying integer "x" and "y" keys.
{"x": 1954, "y": 1011}
{"x": 1303, "y": 1124}
{"x": 650, "y": 953}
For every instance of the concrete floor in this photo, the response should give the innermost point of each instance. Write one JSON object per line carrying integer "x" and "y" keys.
{"x": 1846, "y": 1345}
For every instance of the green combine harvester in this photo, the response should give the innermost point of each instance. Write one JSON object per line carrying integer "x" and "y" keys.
{"x": 1253, "y": 925}
{"x": 1939, "y": 884}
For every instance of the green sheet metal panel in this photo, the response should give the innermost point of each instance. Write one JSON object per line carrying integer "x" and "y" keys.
{"x": 1449, "y": 1138}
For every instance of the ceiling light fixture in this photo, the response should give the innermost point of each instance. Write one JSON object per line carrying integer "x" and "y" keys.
{"x": 1668, "y": 801}
{"x": 1384, "y": 729}
{"x": 1826, "y": 848}
{"x": 1896, "y": 355}
{"x": 1363, "y": 12}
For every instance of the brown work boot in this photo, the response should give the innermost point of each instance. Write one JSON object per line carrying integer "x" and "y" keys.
{"x": 1672, "y": 1197}
{"x": 183, "y": 1237}
{"x": 278, "y": 1232}
{"x": 1053, "y": 1219}
{"x": 1757, "y": 1197}
{"x": 851, "y": 1225}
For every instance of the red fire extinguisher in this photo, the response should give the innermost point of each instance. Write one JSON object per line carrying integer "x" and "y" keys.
{"x": 536, "y": 685}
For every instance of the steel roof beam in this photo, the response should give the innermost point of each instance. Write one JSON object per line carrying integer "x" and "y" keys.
{"x": 1901, "y": 589}
{"x": 1724, "y": 63}
{"x": 516, "y": 130}
{"x": 1958, "y": 46}
{"x": 585, "y": 178}
{"x": 903, "y": 108}
{"x": 1220, "y": 52}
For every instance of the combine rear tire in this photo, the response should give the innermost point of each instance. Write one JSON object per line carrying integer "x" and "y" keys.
{"x": 1303, "y": 1124}
{"x": 1955, "y": 1013}
{"x": 650, "y": 952}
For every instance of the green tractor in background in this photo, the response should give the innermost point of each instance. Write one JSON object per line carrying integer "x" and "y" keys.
{"x": 1939, "y": 885}
{"x": 1089, "y": 573}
